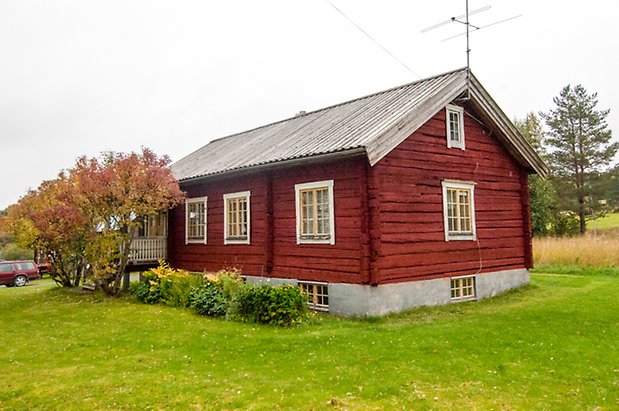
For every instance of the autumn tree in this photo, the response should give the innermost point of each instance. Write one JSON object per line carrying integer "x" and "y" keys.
{"x": 116, "y": 191}
{"x": 86, "y": 218}
{"x": 580, "y": 144}
{"x": 542, "y": 191}
{"x": 49, "y": 219}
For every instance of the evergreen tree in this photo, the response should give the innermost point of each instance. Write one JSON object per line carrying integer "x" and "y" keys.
{"x": 542, "y": 192}
{"x": 581, "y": 146}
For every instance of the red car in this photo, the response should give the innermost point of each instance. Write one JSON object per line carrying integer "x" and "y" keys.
{"x": 18, "y": 273}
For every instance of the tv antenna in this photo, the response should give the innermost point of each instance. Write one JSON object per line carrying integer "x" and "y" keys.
{"x": 469, "y": 26}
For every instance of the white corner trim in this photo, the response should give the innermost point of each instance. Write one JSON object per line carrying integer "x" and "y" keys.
{"x": 464, "y": 185}
{"x": 297, "y": 201}
{"x": 192, "y": 201}
{"x": 241, "y": 194}
{"x": 450, "y": 108}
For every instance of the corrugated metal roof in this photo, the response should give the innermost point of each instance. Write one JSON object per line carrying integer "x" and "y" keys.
{"x": 375, "y": 123}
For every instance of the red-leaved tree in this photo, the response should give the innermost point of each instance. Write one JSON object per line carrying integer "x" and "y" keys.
{"x": 116, "y": 191}
{"x": 87, "y": 217}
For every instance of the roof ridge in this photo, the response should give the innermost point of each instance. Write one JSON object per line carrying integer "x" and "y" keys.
{"x": 338, "y": 104}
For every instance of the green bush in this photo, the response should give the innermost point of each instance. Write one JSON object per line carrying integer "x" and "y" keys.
{"x": 166, "y": 285}
{"x": 176, "y": 287}
{"x": 283, "y": 305}
{"x": 566, "y": 224}
{"x": 209, "y": 299}
{"x": 223, "y": 293}
{"x": 148, "y": 290}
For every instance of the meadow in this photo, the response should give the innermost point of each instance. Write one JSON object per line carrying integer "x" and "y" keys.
{"x": 551, "y": 345}
{"x": 597, "y": 250}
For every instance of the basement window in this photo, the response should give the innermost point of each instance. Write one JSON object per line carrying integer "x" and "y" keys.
{"x": 459, "y": 210}
{"x": 314, "y": 212}
{"x": 195, "y": 220}
{"x": 455, "y": 126}
{"x": 317, "y": 295}
{"x": 236, "y": 218}
{"x": 463, "y": 288}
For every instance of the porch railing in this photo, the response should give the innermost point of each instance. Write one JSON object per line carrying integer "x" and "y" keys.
{"x": 148, "y": 249}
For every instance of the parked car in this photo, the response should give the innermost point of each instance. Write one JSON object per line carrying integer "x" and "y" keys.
{"x": 45, "y": 268}
{"x": 18, "y": 273}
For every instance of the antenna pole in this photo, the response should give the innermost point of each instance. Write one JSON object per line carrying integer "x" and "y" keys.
{"x": 468, "y": 53}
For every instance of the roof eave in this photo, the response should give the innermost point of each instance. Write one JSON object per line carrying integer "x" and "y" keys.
{"x": 352, "y": 152}
{"x": 520, "y": 148}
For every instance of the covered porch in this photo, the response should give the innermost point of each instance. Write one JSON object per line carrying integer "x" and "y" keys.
{"x": 151, "y": 243}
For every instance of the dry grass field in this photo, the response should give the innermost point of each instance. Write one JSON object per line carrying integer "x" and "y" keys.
{"x": 598, "y": 248}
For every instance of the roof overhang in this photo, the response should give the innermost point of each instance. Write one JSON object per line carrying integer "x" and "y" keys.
{"x": 355, "y": 152}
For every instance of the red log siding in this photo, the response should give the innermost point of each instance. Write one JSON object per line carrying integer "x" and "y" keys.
{"x": 408, "y": 184}
{"x": 274, "y": 250}
{"x": 320, "y": 262}
{"x": 215, "y": 255}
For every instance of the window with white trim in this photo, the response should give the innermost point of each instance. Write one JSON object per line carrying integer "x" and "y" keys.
{"x": 317, "y": 294}
{"x": 463, "y": 288}
{"x": 236, "y": 218}
{"x": 195, "y": 220}
{"x": 455, "y": 126}
{"x": 314, "y": 212}
{"x": 459, "y": 210}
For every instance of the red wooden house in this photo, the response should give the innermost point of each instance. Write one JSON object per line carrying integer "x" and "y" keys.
{"x": 416, "y": 195}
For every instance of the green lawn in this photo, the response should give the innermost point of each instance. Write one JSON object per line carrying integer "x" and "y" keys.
{"x": 551, "y": 345}
{"x": 606, "y": 222}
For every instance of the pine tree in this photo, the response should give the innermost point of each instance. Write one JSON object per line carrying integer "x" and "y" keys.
{"x": 580, "y": 143}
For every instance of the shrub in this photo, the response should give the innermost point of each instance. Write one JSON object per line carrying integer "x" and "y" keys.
{"x": 176, "y": 288}
{"x": 223, "y": 293}
{"x": 166, "y": 285}
{"x": 148, "y": 290}
{"x": 566, "y": 224}
{"x": 213, "y": 297}
{"x": 282, "y": 305}
{"x": 209, "y": 299}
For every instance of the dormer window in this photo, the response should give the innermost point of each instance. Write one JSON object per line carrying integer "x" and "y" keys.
{"x": 455, "y": 126}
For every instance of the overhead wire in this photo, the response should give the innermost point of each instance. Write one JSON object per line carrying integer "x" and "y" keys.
{"x": 351, "y": 21}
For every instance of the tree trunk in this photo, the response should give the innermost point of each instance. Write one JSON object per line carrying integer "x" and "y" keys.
{"x": 581, "y": 214}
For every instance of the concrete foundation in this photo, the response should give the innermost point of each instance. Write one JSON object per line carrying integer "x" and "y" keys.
{"x": 365, "y": 300}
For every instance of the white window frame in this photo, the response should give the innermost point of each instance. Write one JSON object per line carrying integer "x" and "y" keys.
{"x": 229, "y": 196}
{"x": 313, "y": 295}
{"x": 449, "y": 109}
{"x": 459, "y": 185}
{"x": 460, "y": 279}
{"x": 193, "y": 201}
{"x": 328, "y": 184}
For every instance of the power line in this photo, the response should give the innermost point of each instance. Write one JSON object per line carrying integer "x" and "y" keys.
{"x": 410, "y": 70}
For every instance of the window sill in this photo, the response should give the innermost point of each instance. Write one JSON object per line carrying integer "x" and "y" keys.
{"x": 233, "y": 241}
{"x": 315, "y": 241}
{"x": 466, "y": 237}
{"x": 195, "y": 241}
{"x": 463, "y": 299}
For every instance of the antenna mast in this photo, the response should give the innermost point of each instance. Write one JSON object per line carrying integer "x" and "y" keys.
{"x": 468, "y": 25}
{"x": 468, "y": 55}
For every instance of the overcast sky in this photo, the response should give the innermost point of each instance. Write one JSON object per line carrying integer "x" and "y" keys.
{"x": 81, "y": 77}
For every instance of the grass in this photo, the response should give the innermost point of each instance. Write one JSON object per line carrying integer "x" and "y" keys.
{"x": 551, "y": 345}
{"x": 604, "y": 223}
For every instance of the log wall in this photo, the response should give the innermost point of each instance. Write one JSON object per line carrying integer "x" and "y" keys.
{"x": 408, "y": 183}
{"x": 274, "y": 251}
